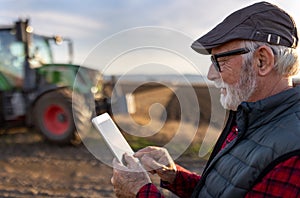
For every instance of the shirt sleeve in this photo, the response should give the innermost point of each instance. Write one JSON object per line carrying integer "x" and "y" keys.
{"x": 282, "y": 181}
{"x": 183, "y": 184}
{"x": 149, "y": 191}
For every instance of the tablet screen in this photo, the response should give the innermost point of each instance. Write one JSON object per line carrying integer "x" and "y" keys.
{"x": 112, "y": 136}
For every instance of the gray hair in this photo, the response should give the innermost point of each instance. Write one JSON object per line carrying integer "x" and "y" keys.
{"x": 286, "y": 59}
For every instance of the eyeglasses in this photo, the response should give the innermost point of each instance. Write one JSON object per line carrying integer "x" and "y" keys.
{"x": 214, "y": 58}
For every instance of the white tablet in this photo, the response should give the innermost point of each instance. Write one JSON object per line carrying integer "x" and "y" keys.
{"x": 112, "y": 136}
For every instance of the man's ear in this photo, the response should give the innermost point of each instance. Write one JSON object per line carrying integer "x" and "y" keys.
{"x": 265, "y": 60}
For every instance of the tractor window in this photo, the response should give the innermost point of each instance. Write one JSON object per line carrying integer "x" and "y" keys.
{"x": 40, "y": 51}
{"x": 12, "y": 55}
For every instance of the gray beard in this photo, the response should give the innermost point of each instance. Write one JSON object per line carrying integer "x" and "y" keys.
{"x": 239, "y": 92}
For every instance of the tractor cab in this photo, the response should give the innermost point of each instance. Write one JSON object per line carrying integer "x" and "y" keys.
{"x": 13, "y": 57}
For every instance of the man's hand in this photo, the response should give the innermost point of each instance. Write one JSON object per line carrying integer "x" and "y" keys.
{"x": 128, "y": 180}
{"x": 158, "y": 160}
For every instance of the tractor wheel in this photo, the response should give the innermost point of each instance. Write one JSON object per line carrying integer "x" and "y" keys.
{"x": 54, "y": 116}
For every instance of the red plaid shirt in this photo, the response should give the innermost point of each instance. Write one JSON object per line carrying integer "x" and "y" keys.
{"x": 282, "y": 181}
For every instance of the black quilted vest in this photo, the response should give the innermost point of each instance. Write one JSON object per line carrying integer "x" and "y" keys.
{"x": 269, "y": 133}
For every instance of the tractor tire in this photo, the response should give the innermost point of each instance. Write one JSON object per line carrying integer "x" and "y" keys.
{"x": 55, "y": 119}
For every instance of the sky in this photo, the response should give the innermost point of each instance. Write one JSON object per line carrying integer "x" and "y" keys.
{"x": 97, "y": 27}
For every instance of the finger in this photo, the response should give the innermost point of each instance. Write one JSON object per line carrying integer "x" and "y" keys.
{"x": 156, "y": 153}
{"x": 118, "y": 166}
{"x": 146, "y": 161}
{"x": 145, "y": 150}
{"x": 150, "y": 164}
{"x": 132, "y": 163}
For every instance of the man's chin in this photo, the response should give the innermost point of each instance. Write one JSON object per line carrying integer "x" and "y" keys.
{"x": 227, "y": 105}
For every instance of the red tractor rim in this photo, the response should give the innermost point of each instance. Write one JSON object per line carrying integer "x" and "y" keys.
{"x": 56, "y": 120}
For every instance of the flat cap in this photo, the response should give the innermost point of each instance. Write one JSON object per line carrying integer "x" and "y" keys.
{"x": 261, "y": 21}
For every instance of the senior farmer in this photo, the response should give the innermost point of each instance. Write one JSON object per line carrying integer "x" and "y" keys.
{"x": 258, "y": 153}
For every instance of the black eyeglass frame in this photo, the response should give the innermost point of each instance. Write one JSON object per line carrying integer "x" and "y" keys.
{"x": 214, "y": 58}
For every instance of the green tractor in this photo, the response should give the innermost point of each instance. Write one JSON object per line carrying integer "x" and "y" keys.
{"x": 57, "y": 99}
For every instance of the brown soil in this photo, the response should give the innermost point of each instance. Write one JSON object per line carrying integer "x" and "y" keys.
{"x": 31, "y": 167}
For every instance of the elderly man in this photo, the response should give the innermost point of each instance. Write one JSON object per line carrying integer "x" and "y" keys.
{"x": 258, "y": 153}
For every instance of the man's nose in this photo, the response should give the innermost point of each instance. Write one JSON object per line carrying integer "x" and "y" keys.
{"x": 212, "y": 74}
